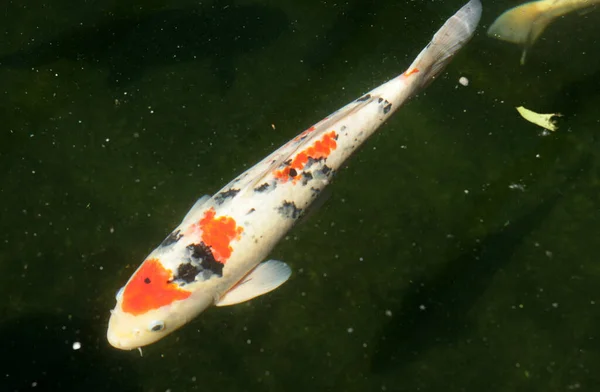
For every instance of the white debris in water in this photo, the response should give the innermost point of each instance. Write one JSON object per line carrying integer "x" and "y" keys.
{"x": 422, "y": 307}
{"x": 516, "y": 186}
{"x": 76, "y": 345}
{"x": 388, "y": 313}
{"x": 463, "y": 81}
{"x": 350, "y": 330}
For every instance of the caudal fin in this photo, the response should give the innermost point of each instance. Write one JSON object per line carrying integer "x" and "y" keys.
{"x": 523, "y": 24}
{"x": 449, "y": 39}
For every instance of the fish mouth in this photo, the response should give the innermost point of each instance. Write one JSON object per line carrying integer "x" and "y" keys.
{"x": 118, "y": 342}
{"x": 118, "y": 339}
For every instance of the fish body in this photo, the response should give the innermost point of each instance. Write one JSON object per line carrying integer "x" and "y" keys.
{"x": 524, "y": 24}
{"x": 214, "y": 256}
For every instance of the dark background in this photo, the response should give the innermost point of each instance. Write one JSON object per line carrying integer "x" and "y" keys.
{"x": 457, "y": 251}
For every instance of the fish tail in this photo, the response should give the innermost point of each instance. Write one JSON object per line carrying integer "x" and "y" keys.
{"x": 449, "y": 39}
{"x": 523, "y": 24}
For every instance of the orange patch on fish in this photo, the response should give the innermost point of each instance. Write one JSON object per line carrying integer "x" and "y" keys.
{"x": 411, "y": 72}
{"x": 150, "y": 288}
{"x": 322, "y": 148}
{"x": 217, "y": 233}
{"x": 305, "y": 133}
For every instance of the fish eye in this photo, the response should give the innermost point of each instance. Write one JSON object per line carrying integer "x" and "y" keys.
{"x": 120, "y": 293}
{"x": 156, "y": 326}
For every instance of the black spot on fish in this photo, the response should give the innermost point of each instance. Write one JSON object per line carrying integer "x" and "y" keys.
{"x": 171, "y": 238}
{"x": 288, "y": 162}
{"x": 262, "y": 187}
{"x": 379, "y": 100}
{"x": 221, "y": 197}
{"x": 306, "y": 177}
{"x": 293, "y": 172}
{"x": 147, "y": 280}
{"x": 343, "y": 128}
{"x": 203, "y": 254}
{"x": 251, "y": 211}
{"x": 289, "y": 210}
{"x": 326, "y": 170}
{"x": 311, "y": 161}
{"x": 187, "y": 272}
{"x": 387, "y": 108}
{"x": 364, "y": 98}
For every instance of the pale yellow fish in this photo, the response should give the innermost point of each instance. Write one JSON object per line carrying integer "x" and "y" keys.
{"x": 543, "y": 120}
{"x": 524, "y": 24}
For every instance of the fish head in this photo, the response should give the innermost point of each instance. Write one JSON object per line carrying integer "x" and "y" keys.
{"x": 151, "y": 306}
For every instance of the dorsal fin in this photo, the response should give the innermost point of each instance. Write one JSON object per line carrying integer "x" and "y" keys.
{"x": 287, "y": 150}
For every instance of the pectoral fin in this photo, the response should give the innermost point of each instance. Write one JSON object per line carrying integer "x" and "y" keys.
{"x": 267, "y": 276}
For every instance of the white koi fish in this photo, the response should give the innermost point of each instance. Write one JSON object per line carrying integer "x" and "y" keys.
{"x": 214, "y": 256}
{"x": 524, "y": 24}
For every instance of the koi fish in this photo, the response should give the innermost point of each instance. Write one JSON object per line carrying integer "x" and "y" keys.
{"x": 524, "y": 24}
{"x": 214, "y": 257}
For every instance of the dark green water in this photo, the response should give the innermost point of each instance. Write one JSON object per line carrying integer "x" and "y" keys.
{"x": 427, "y": 269}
